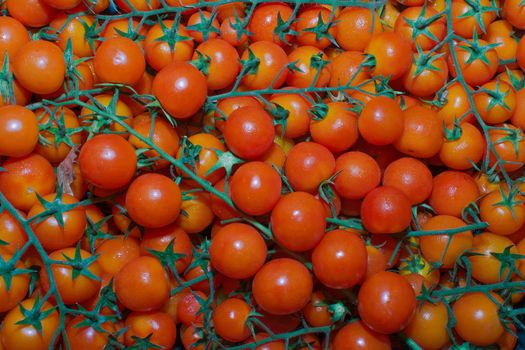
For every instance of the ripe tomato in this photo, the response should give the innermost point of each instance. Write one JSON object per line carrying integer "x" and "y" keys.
{"x": 158, "y": 326}
{"x": 237, "y": 251}
{"x": 297, "y": 114}
{"x": 229, "y": 32}
{"x": 495, "y": 102}
{"x": 461, "y": 151}
{"x": 255, "y": 188}
{"x": 157, "y": 47}
{"x": 223, "y": 66}
{"x": 39, "y": 66}
{"x": 486, "y": 267}
{"x": 13, "y": 293}
{"x": 159, "y": 240}
{"x": 313, "y": 67}
{"x": 14, "y": 335}
{"x": 339, "y": 260}
{"x": 392, "y": 54}
{"x": 298, "y": 221}
{"x": 264, "y": 22}
{"x": 518, "y": 118}
{"x": 348, "y": 69}
{"x": 271, "y": 70}
{"x": 475, "y": 71}
{"x": 116, "y": 252}
{"x": 124, "y": 27}
{"x": 220, "y": 208}
{"x": 337, "y": 130}
{"x": 386, "y": 302}
{"x": 452, "y": 192}
{"x": 230, "y": 318}
{"x": 410, "y": 176}
{"x": 11, "y": 233}
{"x": 358, "y": 174}
{"x": 63, "y": 4}
{"x": 119, "y": 60}
{"x": 381, "y": 121}
{"x": 138, "y": 5}
{"x": 357, "y": 335}
{"x": 153, "y": 200}
{"x": 426, "y": 76}
{"x": 198, "y": 213}
{"x": 309, "y": 18}
{"x": 199, "y": 19}
{"x": 355, "y": 28}
{"x": 190, "y": 337}
{"x": 89, "y": 116}
{"x": 142, "y": 284}
{"x": 509, "y": 146}
{"x": 386, "y": 210}
{"x": 428, "y": 327}
{"x": 426, "y": 37}
{"x": 31, "y": 13}
{"x": 443, "y": 248}
{"x": 504, "y": 212}
{"x": 79, "y": 336}
{"x": 107, "y": 161}
{"x": 63, "y": 121}
{"x": 72, "y": 288}
{"x": 465, "y": 25}
{"x": 181, "y": 89}
{"x": 513, "y": 12}
{"x": 307, "y": 165}
{"x": 422, "y": 136}
{"x": 454, "y": 104}
{"x": 500, "y": 33}
{"x": 18, "y": 131}
{"x": 477, "y": 318}
{"x": 316, "y": 312}
{"x": 249, "y": 132}
{"x": 189, "y": 309}
{"x": 13, "y": 36}
{"x": 287, "y": 278}
{"x": 52, "y": 233}
{"x": 74, "y": 30}
{"x": 226, "y": 106}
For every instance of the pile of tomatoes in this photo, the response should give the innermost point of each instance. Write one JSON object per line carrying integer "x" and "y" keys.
{"x": 185, "y": 174}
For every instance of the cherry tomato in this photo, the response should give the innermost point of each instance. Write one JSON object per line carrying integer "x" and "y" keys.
{"x": 386, "y": 210}
{"x": 230, "y": 318}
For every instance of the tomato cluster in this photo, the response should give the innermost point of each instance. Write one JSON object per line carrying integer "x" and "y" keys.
{"x": 262, "y": 175}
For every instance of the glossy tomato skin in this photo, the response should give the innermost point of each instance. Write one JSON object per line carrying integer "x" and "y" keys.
{"x": 316, "y": 312}
{"x": 264, "y": 21}
{"x": 512, "y": 150}
{"x": 428, "y": 327}
{"x": 355, "y": 28}
{"x": 298, "y": 111}
{"x": 386, "y": 302}
{"x": 337, "y": 131}
{"x": 159, "y": 325}
{"x": 386, "y": 210}
{"x": 453, "y": 191}
{"x": 223, "y": 67}
{"x": 436, "y": 248}
{"x": 358, "y": 174}
{"x": 23, "y": 336}
{"x": 13, "y": 36}
{"x": 24, "y": 177}
{"x": 142, "y": 284}
{"x": 116, "y": 252}
{"x": 298, "y": 221}
{"x": 153, "y": 200}
{"x": 11, "y": 232}
{"x": 72, "y": 290}
{"x": 107, "y": 161}
{"x": 309, "y": 73}
{"x": 11, "y": 295}
{"x": 381, "y": 121}
{"x": 181, "y": 89}
{"x": 309, "y": 18}
{"x": 410, "y": 176}
{"x": 158, "y": 240}
{"x": 230, "y": 318}
{"x": 486, "y": 268}
{"x": 237, "y": 251}
{"x": 255, "y": 188}
{"x": 477, "y": 318}
{"x": 79, "y": 337}
{"x": 282, "y": 286}
{"x": 249, "y": 132}
{"x": 339, "y": 260}
{"x": 271, "y": 71}
{"x": 468, "y": 149}
{"x": 54, "y": 235}
{"x": 503, "y": 219}
{"x": 18, "y": 131}
{"x": 119, "y": 60}
{"x": 39, "y": 66}
{"x": 158, "y": 52}
{"x": 356, "y": 335}
{"x": 307, "y": 165}
{"x": 392, "y": 53}
{"x": 31, "y": 13}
